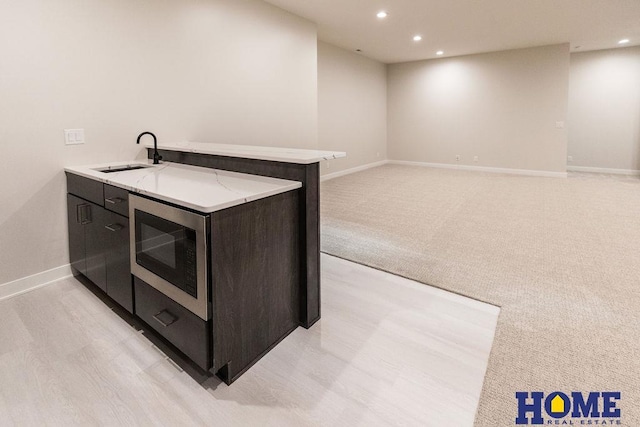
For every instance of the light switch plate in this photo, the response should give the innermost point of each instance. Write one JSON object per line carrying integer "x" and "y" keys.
{"x": 73, "y": 136}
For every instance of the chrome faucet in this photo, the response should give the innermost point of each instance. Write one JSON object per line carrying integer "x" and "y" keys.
{"x": 156, "y": 156}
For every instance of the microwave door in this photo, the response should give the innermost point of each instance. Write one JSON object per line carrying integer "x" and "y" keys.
{"x": 159, "y": 247}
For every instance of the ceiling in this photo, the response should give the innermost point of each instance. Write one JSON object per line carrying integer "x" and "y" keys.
{"x": 461, "y": 27}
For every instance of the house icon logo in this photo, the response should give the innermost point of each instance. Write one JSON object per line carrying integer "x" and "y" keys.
{"x": 573, "y": 408}
{"x": 557, "y": 405}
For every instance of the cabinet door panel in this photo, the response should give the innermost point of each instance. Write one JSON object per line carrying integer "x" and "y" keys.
{"x": 75, "y": 208}
{"x": 119, "y": 282}
{"x": 95, "y": 241}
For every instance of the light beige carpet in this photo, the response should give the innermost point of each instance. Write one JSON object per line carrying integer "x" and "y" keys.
{"x": 561, "y": 257}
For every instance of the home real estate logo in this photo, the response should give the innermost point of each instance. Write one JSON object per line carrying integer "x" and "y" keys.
{"x": 575, "y": 408}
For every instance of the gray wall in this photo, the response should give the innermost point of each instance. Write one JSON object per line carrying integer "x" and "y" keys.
{"x": 231, "y": 71}
{"x": 501, "y": 106}
{"x": 352, "y": 107}
{"x": 604, "y": 109}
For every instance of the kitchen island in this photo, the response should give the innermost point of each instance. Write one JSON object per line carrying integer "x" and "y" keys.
{"x": 256, "y": 209}
{"x": 208, "y": 259}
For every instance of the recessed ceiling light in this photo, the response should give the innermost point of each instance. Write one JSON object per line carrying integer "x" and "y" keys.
{"x": 439, "y": 52}
{"x": 382, "y": 14}
{"x": 417, "y": 38}
{"x": 623, "y": 41}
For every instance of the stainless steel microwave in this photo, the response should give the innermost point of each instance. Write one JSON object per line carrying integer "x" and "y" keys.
{"x": 169, "y": 252}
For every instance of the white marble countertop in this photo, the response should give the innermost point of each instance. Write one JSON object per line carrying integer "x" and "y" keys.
{"x": 277, "y": 154}
{"x": 201, "y": 189}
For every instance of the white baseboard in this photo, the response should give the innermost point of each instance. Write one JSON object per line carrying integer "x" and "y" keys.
{"x": 29, "y": 283}
{"x": 632, "y": 172}
{"x": 329, "y": 176}
{"x": 526, "y": 172}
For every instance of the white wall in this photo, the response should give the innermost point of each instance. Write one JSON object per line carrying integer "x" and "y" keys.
{"x": 352, "y": 107}
{"x": 231, "y": 71}
{"x": 604, "y": 109}
{"x": 501, "y": 106}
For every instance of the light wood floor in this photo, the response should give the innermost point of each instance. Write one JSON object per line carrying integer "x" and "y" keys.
{"x": 387, "y": 351}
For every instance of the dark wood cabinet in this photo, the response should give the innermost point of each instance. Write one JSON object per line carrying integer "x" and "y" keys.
{"x": 118, "y": 266}
{"x": 95, "y": 236}
{"x": 99, "y": 238}
{"x": 86, "y": 239}
{"x": 76, "y": 210}
{"x": 255, "y": 259}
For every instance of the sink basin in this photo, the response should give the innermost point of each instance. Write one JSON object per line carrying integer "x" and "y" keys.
{"x": 122, "y": 168}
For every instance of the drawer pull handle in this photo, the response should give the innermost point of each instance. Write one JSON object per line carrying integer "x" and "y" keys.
{"x": 165, "y": 318}
{"x": 114, "y": 227}
{"x": 114, "y": 200}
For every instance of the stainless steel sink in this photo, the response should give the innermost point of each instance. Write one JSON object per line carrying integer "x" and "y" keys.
{"x": 122, "y": 168}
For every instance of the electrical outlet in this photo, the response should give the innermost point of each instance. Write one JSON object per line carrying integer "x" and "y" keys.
{"x": 570, "y": 158}
{"x": 73, "y": 136}
{"x": 475, "y": 158}
{"x": 457, "y": 157}
{"x": 377, "y": 154}
{"x": 559, "y": 125}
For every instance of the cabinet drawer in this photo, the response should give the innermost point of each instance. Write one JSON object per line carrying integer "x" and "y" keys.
{"x": 86, "y": 188}
{"x": 116, "y": 200}
{"x": 183, "y": 329}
